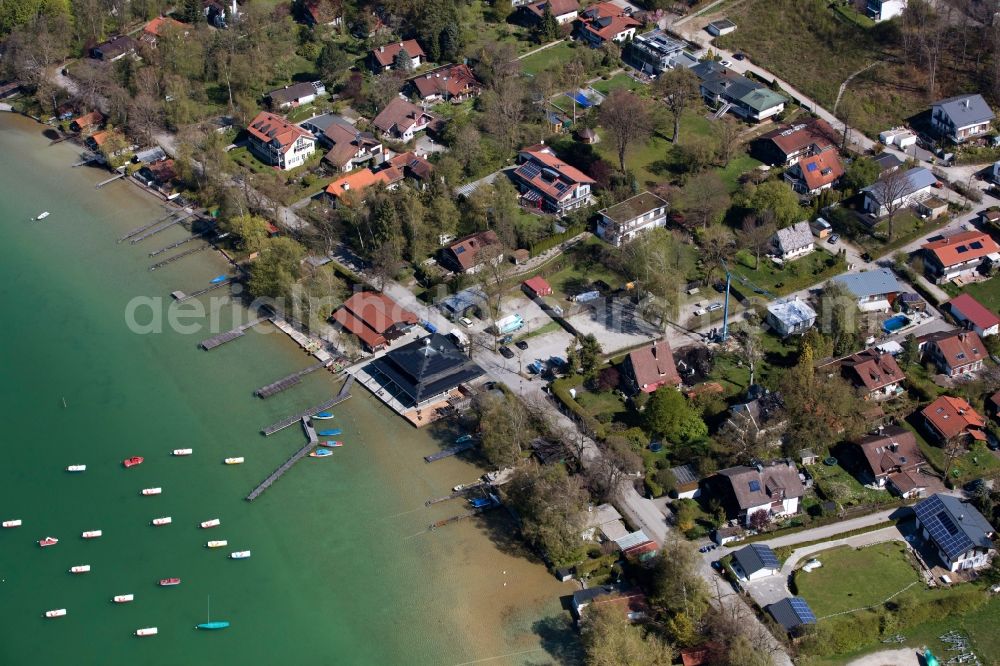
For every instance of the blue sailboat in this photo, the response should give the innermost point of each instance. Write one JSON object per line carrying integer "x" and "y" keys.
{"x": 329, "y": 433}
{"x": 218, "y": 624}
{"x": 218, "y": 278}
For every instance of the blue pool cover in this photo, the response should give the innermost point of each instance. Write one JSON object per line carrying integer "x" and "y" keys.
{"x": 895, "y": 323}
{"x": 580, "y": 98}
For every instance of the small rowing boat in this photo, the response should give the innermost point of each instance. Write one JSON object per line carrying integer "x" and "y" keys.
{"x": 214, "y": 522}
{"x": 324, "y": 415}
{"x": 463, "y": 439}
{"x": 92, "y": 534}
{"x": 320, "y": 453}
{"x": 234, "y": 461}
{"x": 76, "y": 468}
{"x": 152, "y": 491}
{"x": 48, "y": 541}
{"x": 329, "y": 433}
{"x": 169, "y": 582}
{"x": 12, "y": 523}
{"x": 183, "y": 452}
{"x": 218, "y": 278}
{"x": 41, "y": 216}
{"x": 166, "y": 520}
{"x": 59, "y": 612}
{"x": 239, "y": 555}
{"x": 217, "y": 544}
{"x": 123, "y": 598}
{"x": 147, "y": 631}
{"x": 133, "y": 461}
{"x": 332, "y": 444}
{"x": 81, "y": 568}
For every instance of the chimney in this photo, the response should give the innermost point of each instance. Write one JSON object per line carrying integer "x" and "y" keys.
{"x": 381, "y": 49}
{"x": 346, "y": 186}
{"x": 967, "y": 103}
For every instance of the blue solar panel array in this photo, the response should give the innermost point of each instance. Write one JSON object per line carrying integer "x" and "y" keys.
{"x": 766, "y": 555}
{"x": 755, "y": 486}
{"x": 933, "y": 515}
{"x": 801, "y": 608}
{"x": 530, "y": 169}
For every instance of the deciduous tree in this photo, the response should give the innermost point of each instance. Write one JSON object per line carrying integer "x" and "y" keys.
{"x": 704, "y": 198}
{"x": 610, "y": 640}
{"x": 679, "y": 89}
{"x": 628, "y": 121}
{"x": 551, "y": 505}
{"x": 669, "y": 415}
{"x": 755, "y": 235}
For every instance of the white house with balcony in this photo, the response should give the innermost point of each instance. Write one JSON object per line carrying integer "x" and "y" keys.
{"x": 961, "y": 118}
{"x": 277, "y": 142}
{"x": 622, "y": 222}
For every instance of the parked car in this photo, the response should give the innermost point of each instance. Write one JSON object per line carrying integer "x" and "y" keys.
{"x": 713, "y": 307}
{"x": 717, "y": 565}
{"x": 832, "y": 240}
{"x": 506, "y": 352}
{"x": 521, "y": 344}
{"x": 726, "y": 63}
{"x": 466, "y": 322}
{"x": 507, "y": 339}
{"x": 700, "y": 311}
{"x": 739, "y": 56}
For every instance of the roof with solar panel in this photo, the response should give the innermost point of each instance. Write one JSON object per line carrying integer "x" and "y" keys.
{"x": 954, "y": 526}
{"x": 792, "y": 612}
{"x": 756, "y": 557}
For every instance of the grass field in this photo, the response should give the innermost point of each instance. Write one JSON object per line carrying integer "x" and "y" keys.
{"x": 852, "y": 578}
{"x": 794, "y": 275}
{"x": 553, "y": 57}
{"x": 987, "y": 293}
{"x": 619, "y": 80}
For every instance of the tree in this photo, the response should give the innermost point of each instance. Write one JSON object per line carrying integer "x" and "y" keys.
{"x": 717, "y": 245}
{"x": 332, "y": 62}
{"x": 776, "y": 199}
{"x": 547, "y": 29}
{"x": 402, "y": 62}
{"x": 675, "y": 586}
{"x": 755, "y": 236}
{"x": 820, "y": 412}
{"x": 251, "y": 231}
{"x": 704, "y": 198}
{"x": 759, "y": 520}
{"x": 505, "y": 427}
{"x": 861, "y": 173}
{"x": 749, "y": 346}
{"x": 588, "y": 355}
{"x": 840, "y": 318}
{"x": 730, "y": 138}
{"x": 889, "y": 194}
{"x": 610, "y": 640}
{"x": 669, "y": 415}
{"x": 274, "y": 272}
{"x": 609, "y": 472}
{"x": 679, "y": 89}
{"x": 503, "y": 111}
{"x": 551, "y": 505}
{"x": 628, "y": 120}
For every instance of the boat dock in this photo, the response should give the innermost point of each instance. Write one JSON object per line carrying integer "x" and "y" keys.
{"x": 179, "y": 243}
{"x": 289, "y": 381}
{"x": 287, "y": 465}
{"x": 229, "y": 336}
{"x": 456, "y": 494}
{"x": 454, "y": 450}
{"x": 345, "y": 393}
{"x": 162, "y": 227}
{"x": 180, "y": 296}
{"x": 463, "y": 516}
{"x": 110, "y": 180}
{"x": 180, "y": 255}
{"x": 139, "y": 230}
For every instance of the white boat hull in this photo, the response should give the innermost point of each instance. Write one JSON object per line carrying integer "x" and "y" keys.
{"x": 234, "y": 461}
{"x": 240, "y": 555}
{"x": 12, "y": 523}
{"x": 217, "y": 544}
{"x": 162, "y": 521}
{"x": 76, "y": 468}
{"x": 92, "y": 534}
{"x": 83, "y": 568}
{"x": 152, "y": 491}
{"x": 123, "y": 598}
{"x": 59, "y": 612}
{"x": 148, "y": 631}
{"x": 215, "y": 522}
{"x": 183, "y": 452}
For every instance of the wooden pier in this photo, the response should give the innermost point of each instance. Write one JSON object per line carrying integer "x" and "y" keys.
{"x": 110, "y": 180}
{"x": 345, "y": 393}
{"x": 287, "y": 465}
{"x": 289, "y": 381}
{"x": 463, "y": 516}
{"x": 229, "y": 336}
{"x": 454, "y": 450}
{"x": 180, "y": 296}
{"x": 145, "y": 227}
{"x": 162, "y": 227}
{"x": 180, "y": 255}
{"x": 455, "y": 495}
{"x": 179, "y": 243}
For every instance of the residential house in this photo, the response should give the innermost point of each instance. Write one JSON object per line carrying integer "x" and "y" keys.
{"x": 655, "y": 52}
{"x": 277, "y": 142}
{"x": 632, "y": 602}
{"x": 792, "y": 613}
{"x": 564, "y": 11}
{"x": 322, "y": 12}
{"x": 620, "y": 223}
{"x": 875, "y": 290}
{"x": 220, "y": 14}
{"x": 887, "y": 162}
{"x": 790, "y": 316}
{"x": 88, "y": 122}
{"x": 149, "y": 155}
{"x": 463, "y": 255}
{"x": 536, "y": 287}
{"x": 374, "y": 318}
{"x": 114, "y": 49}
{"x": 605, "y": 22}
{"x": 637, "y": 546}
{"x": 793, "y": 242}
{"x": 961, "y": 535}
{"x": 955, "y": 353}
{"x": 755, "y": 561}
{"x": 160, "y": 26}
{"x": 875, "y": 374}
{"x": 726, "y": 90}
{"x": 814, "y": 173}
{"x": 648, "y": 368}
{"x": 917, "y": 186}
{"x": 602, "y": 523}
{"x": 961, "y": 118}
{"x": 157, "y": 174}
{"x": 402, "y": 119}
{"x": 295, "y": 95}
{"x": 953, "y": 419}
{"x": 883, "y": 10}
{"x": 548, "y": 183}
{"x": 773, "y": 488}
{"x": 720, "y": 27}
{"x": 383, "y": 58}
{"x": 761, "y": 418}
{"x": 414, "y": 167}
{"x": 728, "y": 534}
{"x": 962, "y": 255}
{"x": 974, "y": 315}
{"x": 347, "y": 189}
{"x": 892, "y": 459}
{"x": 686, "y": 481}
{"x": 787, "y": 144}
{"x": 448, "y": 83}
{"x": 348, "y": 146}
{"x": 991, "y": 216}
{"x": 425, "y": 371}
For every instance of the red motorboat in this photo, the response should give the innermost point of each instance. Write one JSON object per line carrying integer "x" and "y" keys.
{"x": 133, "y": 461}
{"x": 167, "y": 582}
{"x": 48, "y": 541}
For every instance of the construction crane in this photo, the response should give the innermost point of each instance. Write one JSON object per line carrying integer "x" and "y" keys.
{"x": 725, "y": 310}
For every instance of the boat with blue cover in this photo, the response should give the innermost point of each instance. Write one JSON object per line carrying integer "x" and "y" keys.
{"x": 321, "y": 453}
{"x": 324, "y": 415}
{"x": 329, "y": 433}
{"x": 219, "y": 278}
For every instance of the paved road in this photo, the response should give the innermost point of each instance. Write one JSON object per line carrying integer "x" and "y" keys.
{"x": 827, "y": 531}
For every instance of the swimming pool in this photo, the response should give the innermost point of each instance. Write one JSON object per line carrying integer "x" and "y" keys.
{"x": 895, "y": 323}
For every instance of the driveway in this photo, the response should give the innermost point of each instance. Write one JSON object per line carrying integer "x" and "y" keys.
{"x": 890, "y": 533}
{"x": 767, "y": 590}
{"x": 831, "y": 530}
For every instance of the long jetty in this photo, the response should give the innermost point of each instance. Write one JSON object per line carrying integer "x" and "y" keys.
{"x": 287, "y": 465}
{"x": 162, "y": 227}
{"x": 289, "y": 381}
{"x": 139, "y": 230}
{"x": 179, "y": 243}
{"x": 230, "y": 335}
{"x": 180, "y": 255}
{"x": 180, "y": 296}
{"x": 345, "y": 393}
{"x": 109, "y": 180}
{"x": 454, "y": 450}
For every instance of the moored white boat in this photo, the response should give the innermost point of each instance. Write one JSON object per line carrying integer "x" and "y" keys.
{"x": 123, "y": 598}
{"x": 76, "y": 468}
{"x": 214, "y": 522}
{"x": 239, "y": 555}
{"x": 48, "y": 541}
{"x": 152, "y": 491}
{"x": 217, "y": 544}
{"x": 166, "y": 520}
{"x": 58, "y": 612}
{"x": 183, "y": 452}
{"x": 92, "y": 534}
{"x": 80, "y": 568}
{"x": 12, "y": 523}
{"x": 234, "y": 461}
{"x": 41, "y": 216}
{"x": 147, "y": 631}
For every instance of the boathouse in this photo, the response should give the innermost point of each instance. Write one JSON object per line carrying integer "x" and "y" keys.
{"x": 424, "y": 371}
{"x": 374, "y": 318}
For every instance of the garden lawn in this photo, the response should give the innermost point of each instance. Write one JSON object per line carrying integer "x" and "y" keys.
{"x": 987, "y": 293}
{"x": 553, "y": 57}
{"x": 780, "y": 280}
{"x": 605, "y": 402}
{"x": 619, "y": 80}
{"x": 852, "y": 578}
{"x": 973, "y": 464}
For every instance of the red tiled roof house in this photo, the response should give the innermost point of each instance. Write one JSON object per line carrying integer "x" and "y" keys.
{"x": 960, "y": 255}
{"x": 402, "y": 119}
{"x": 464, "y": 255}
{"x": 374, "y": 318}
{"x": 950, "y": 419}
{"x": 451, "y": 82}
{"x": 954, "y": 353}
{"x": 277, "y": 142}
{"x": 547, "y": 182}
{"x": 814, "y": 173}
{"x": 537, "y": 287}
{"x": 383, "y": 58}
{"x": 974, "y": 315}
{"x": 605, "y": 22}
{"x": 649, "y": 368}
{"x": 892, "y": 458}
{"x": 875, "y": 374}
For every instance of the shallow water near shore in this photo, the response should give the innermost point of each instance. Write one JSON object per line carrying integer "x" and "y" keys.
{"x": 343, "y": 569}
